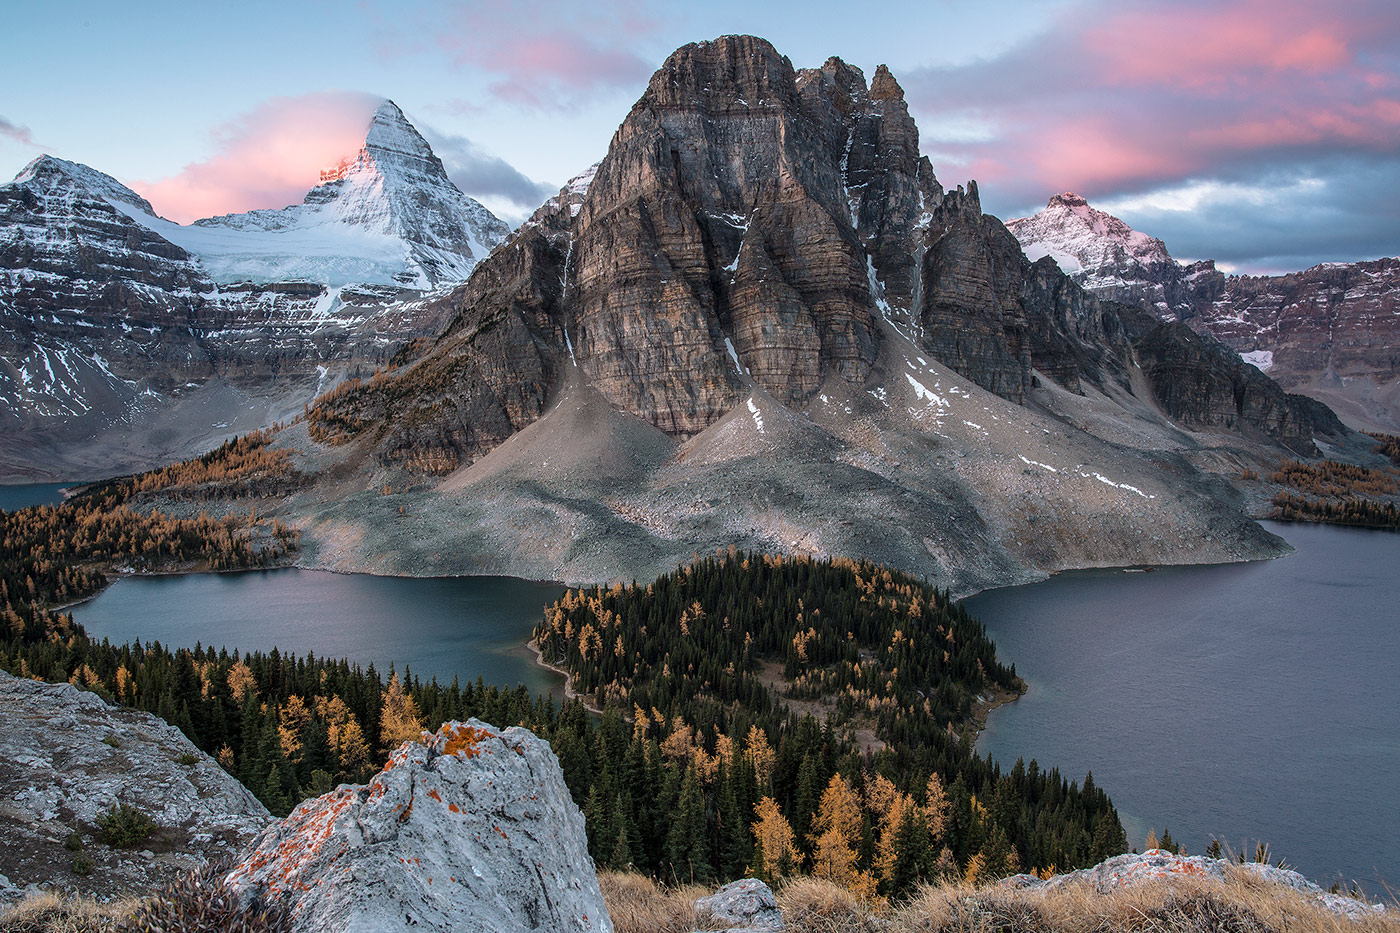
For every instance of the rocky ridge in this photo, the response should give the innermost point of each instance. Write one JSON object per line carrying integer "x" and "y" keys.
{"x": 764, "y": 322}
{"x": 470, "y": 829}
{"x": 127, "y": 340}
{"x": 66, "y": 757}
{"x": 1329, "y": 332}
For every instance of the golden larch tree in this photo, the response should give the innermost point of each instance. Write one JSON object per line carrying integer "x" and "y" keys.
{"x": 399, "y": 719}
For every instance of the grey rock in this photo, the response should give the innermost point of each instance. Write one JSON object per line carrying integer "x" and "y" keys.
{"x": 471, "y": 829}
{"x": 1123, "y": 871}
{"x": 58, "y": 780}
{"x": 748, "y": 904}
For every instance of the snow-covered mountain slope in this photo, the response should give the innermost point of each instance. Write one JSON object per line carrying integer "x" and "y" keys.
{"x": 1105, "y": 255}
{"x": 119, "y": 328}
{"x": 387, "y": 216}
{"x": 1331, "y": 332}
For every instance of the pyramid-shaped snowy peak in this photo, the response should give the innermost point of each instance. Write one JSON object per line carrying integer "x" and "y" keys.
{"x": 389, "y": 215}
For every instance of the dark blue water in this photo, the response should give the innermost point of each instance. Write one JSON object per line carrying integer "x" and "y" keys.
{"x": 1245, "y": 702}
{"x": 441, "y": 626}
{"x": 19, "y": 497}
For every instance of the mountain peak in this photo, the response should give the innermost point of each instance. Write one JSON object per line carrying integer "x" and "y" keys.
{"x": 1067, "y": 199}
{"x": 718, "y": 73}
{"x": 390, "y": 131}
{"x": 50, "y": 172}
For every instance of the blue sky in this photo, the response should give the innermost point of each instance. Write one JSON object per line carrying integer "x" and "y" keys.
{"x": 1263, "y": 133}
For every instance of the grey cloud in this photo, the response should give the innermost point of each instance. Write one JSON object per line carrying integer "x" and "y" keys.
{"x": 1348, "y": 217}
{"x": 482, "y": 175}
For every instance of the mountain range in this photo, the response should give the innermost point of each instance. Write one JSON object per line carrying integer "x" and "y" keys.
{"x": 127, "y": 340}
{"x": 760, "y": 321}
{"x": 1331, "y": 332}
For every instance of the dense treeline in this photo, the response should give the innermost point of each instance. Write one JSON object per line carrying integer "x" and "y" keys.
{"x": 691, "y": 787}
{"x": 1339, "y": 493}
{"x": 1389, "y": 445}
{"x": 1335, "y": 479}
{"x": 243, "y": 466}
{"x": 1361, "y": 512}
{"x": 690, "y": 658}
{"x": 287, "y": 727}
{"x": 55, "y": 554}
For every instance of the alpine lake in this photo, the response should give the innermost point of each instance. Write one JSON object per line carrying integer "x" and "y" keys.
{"x": 1244, "y": 703}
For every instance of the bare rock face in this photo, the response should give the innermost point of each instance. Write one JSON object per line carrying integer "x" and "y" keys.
{"x": 66, "y": 757}
{"x": 471, "y": 829}
{"x": 1330, "y": 331}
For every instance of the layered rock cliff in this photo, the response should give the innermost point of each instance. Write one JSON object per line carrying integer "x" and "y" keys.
{"x": 754, "y": 224}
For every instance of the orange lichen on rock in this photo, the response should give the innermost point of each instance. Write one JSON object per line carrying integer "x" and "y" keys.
{"x": 435, "y": 795}
{"x": 463, "y": 741}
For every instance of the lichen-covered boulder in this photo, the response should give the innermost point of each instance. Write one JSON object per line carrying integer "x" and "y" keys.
{"x": 746, "y": 904}
{"x": 469, "y": 829}
{"x": 1125, "y": 871}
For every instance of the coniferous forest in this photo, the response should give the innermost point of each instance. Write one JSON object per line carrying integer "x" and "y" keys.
{"x": 762, "y": 716}
{"x": 1339, "y": 493}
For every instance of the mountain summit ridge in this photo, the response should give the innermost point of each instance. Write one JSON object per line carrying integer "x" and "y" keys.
{"x": 1328, "y": 331}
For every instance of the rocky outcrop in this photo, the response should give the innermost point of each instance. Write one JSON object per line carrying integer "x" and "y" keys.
{"x": 67, "y": 757}
{"x": 470, "y": 829}
{"x": 746, "y": 905}
{"x": 1160, "y": 865}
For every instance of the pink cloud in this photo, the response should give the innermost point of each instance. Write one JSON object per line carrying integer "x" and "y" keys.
{"x": 19, "y": 134}
{"x": 1121, "y": 97}
{"x": 1221, "y": 45}
{"x": 541, "y": 53}
{"x": 266, "y": 158}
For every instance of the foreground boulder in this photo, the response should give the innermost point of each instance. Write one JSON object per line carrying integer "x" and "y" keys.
{"x": 1125, "y": 871}
{"x": 67, "y": 757}
{"x": 747, "y": 904}
{"x": 470, "y": 829}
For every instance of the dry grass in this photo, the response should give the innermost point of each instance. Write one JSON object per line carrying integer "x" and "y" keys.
{"x": 51, "y": 913}
{"x": 639, "y": 905}
{"x": 810, "y": 905}
{"x": 1243, "y": 903}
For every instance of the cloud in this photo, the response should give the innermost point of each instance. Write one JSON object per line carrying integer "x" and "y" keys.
{"x": 1333, "y": 210}
{"x": 550, "y": 54}
{"x": 485, "y": 176}
{"x": 19, "y": 134}
{"x": 1121, "y": 99}
{"x": 266, "y": 158}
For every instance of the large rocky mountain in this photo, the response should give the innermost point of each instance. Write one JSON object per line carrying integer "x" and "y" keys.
{"x": 761, "y": 320}
{"x": 1331, "y": 332}
{"x": 128, "y": 340}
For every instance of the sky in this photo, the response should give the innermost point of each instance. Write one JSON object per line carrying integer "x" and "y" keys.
{"x": 1264, "y": 134}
